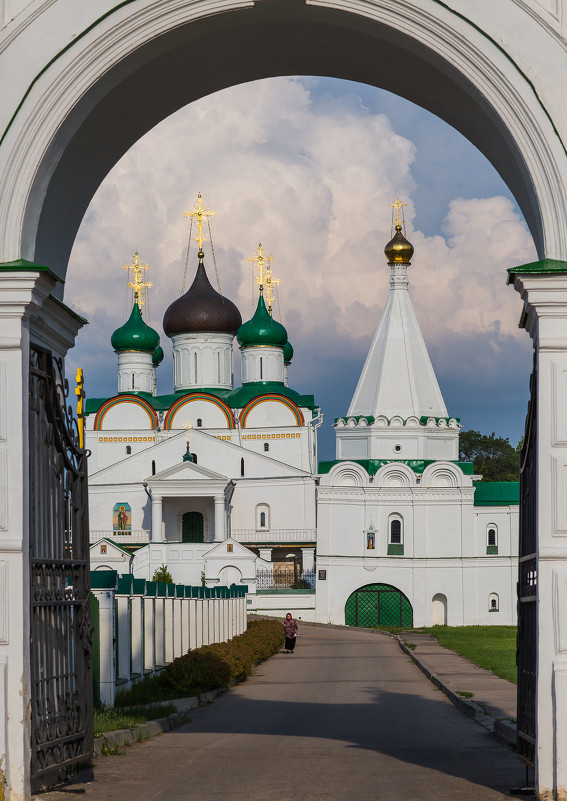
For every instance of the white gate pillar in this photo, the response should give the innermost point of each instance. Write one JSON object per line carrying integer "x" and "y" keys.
{"x": 27, "y": 314}
{"x": 543, "y": 287}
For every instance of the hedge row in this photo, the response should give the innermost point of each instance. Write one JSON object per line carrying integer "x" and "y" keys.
{"x": 209, "y": 667}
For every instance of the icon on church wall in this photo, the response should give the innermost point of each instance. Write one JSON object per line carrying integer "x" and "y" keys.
{"x": 229, "y": 547}
{"x": 370, "y": 540}
{"x": 122, "y": 517}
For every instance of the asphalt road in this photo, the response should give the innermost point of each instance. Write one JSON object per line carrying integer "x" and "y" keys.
{"x": 347, "y": 716}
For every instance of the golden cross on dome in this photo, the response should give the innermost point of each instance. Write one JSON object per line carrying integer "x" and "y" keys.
{"x": 187, "y": 426}
{"x": 397, "y": 205}
{"x": 200, "y": 214}
{"x": 264, "y": 276}
{"x": 137, "y": 283}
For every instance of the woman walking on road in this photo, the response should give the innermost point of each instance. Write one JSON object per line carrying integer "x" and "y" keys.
{"x": 291, "y": 631}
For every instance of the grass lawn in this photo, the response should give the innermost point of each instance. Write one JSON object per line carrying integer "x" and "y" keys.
{"x": 490, "y": 647}
{"x": 112, "y": 719}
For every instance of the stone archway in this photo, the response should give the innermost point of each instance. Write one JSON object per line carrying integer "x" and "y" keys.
{"x": 95, "y": 78}
{"x": 128, "y": 69}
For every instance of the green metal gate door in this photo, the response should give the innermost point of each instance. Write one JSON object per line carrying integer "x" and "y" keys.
{"x": 193, "y": 527}
{"x": 378, "y": 605}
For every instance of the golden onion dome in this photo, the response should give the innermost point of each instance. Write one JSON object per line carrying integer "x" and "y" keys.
{"x": 398, "y": 250}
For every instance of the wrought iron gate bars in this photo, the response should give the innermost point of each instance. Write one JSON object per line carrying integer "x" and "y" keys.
{"x": 61, "y": 631}
{"x": 526, "y": 651}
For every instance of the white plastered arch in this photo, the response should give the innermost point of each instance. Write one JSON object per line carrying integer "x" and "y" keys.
{"x": 478, "y": 88}
{"x": 444, "y": 474}
{"x": 346, "y": 474}
{"x": 395, "y": 475}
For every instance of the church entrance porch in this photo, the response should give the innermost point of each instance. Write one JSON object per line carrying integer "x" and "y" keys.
{"x": 192, "y": 527}
{"x": 378, "y": 605}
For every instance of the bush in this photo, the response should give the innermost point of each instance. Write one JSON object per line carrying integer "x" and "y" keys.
{"x": 163, "y": 574}
{"x": 209, "y": 667}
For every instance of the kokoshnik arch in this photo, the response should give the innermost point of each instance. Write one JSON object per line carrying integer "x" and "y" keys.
{"x": 84, "y": 81}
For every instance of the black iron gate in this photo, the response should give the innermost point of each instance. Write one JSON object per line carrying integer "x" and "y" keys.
{"x": 61, "y": 631}
{"x": 526, "y": 653}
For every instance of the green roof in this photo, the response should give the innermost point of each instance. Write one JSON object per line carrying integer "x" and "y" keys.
{"x": 235, "y": 398}
{"x": 135, "y": 334}
{"x": 542, "y": 267}
{"x": 287, "y": 352}
{"x": 262, "y": 329}
{"x": 497, "y": 493}
{"x": 373, "y": 465}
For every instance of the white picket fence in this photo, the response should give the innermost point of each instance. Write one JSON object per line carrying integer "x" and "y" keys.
{"x": 141, "y": 626}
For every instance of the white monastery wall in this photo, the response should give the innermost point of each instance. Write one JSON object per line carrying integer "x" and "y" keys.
{"x": 103, "y": 498}
{"x": 291, "y": 504}
{"x": 108, "y": 448}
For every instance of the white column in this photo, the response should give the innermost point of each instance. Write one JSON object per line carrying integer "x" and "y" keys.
{"x": 136, "y": 616}
{"x": 157, "y": 518}
{"x": 545, "y": 319}
{"x": 106, "y": 643}
{"x": 123, "y": 636}
{"x": 266, "y": 554}
{"x": 220, "y": 519}
{"x": 308, "y": 558}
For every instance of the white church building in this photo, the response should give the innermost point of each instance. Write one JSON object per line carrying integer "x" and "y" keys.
{"x": 222, "y": 484}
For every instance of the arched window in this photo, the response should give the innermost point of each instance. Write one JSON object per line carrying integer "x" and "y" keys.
{"x": 261, "y": 368}
{"x": 395, "y": 535}
{"x": 491, "y": 539}
{"x": 199, "y": 422}
{"x": 242, "y": 467}
{"x": 219, "y": 366}
{"x": 153, "y": 467}
{"x": 133, "y": 381}
{"x": 266, "y": 446}
{"x": 262, "y": 517}
{"x": 195, "y": 364}
{"x": 128, "y": 450}
{"x": 493, "y": 602}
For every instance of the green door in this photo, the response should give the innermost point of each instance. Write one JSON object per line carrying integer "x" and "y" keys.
{"x": 378, "y": 605}
{"x": 193, "y": 527}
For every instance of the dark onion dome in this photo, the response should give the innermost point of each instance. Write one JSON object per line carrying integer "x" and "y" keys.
{"x": 262, "y": 329}
{"x": 157, "y": 357}
{"x": 135, "y": 334}
{"x": 287, "y": 353}
{"x": 201, "y": 310}
{"x": 398, "y": 250}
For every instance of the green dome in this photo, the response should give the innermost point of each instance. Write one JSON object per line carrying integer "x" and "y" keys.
{"x": 287, "y": 352}
{"x": 262, "y": 329}
{"x": 157, "y": 357}
{"x": 135, "y": 334}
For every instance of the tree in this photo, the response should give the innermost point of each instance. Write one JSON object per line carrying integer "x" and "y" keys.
{"x": 163, "y": 574}
{"x": 493, "y": 457}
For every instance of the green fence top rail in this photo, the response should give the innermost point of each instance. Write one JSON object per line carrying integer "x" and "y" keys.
{"x": 103, "y": 579}
{"x": 126, "y": 584}
{"x": 497, "y": 493}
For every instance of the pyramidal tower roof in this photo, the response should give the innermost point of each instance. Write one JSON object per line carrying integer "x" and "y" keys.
{"x": 398, "y": 377}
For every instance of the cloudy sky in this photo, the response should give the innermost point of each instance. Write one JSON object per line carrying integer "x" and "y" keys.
{"x": 308, "y": 166}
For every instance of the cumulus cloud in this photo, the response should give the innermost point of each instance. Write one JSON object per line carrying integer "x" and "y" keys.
{"x": 312, "y": 180}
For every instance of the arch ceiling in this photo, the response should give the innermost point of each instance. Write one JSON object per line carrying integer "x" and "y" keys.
{"x": 272, "y": 38}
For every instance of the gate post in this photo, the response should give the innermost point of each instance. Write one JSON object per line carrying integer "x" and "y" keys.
{"x": 543, "y": 288}
{"x": 28, "y": 313}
